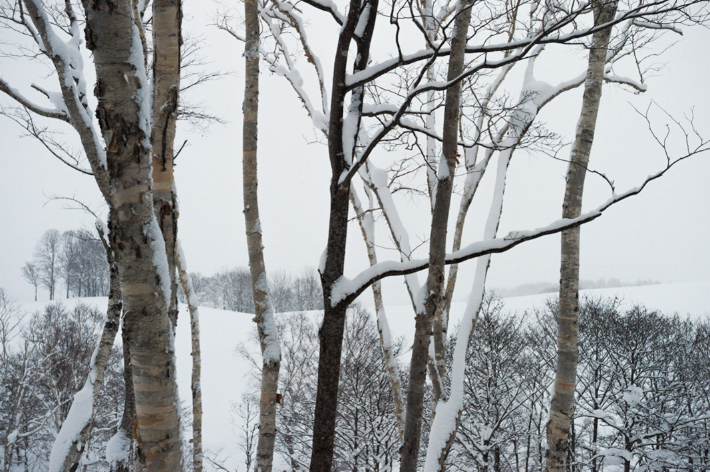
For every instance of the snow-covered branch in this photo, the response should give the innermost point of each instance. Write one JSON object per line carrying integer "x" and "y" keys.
{"x": 56, "y": 112}
{"x": 545, "y": 36}
{"x": 346, "y": 290}
{"x": 329, "y": 7}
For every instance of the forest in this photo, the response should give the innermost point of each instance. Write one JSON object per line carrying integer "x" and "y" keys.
{"x": 425, "y": 101}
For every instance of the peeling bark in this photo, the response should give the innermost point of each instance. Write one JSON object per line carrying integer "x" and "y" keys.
{"x": 123, "y": 112}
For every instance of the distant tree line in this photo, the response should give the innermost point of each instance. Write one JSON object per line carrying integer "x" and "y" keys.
{"x": 584, "y": 284}
{"x": 642, "y": 403}
{"x": 231, "y": 290}
{"x": 643, "y": 393}
{"x": 76, "y": 257}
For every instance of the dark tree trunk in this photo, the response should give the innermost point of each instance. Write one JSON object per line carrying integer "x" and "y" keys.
{"x": 331, "y": 332}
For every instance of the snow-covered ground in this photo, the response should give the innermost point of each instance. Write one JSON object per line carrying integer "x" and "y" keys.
{"x": 691, "y": 298}
{"x": 225, "y": 373}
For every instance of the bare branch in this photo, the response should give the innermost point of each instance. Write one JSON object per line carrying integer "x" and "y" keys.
{"x": 346, "y": 290}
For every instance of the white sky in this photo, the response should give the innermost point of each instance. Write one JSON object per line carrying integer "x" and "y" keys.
{"x": 661, "y": 234}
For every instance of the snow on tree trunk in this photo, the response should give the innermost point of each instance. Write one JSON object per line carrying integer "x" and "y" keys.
{"x": 534, "y": 96}
{"x": 264, "y": 310}
{"x": 196, "y": 385}
{"x": 342, "y": 137}
{"x": 120, "y": 448}
{"x": 562, "y": 404}
{"x": 76, "y": 430}
{"x": 367, "y": 226}
{"x": 448, "y": 411}
{"x": 474, "y": 173}
{"x": 437, "y": 246}
{"x": 167, "y": 39}
{"x": 124, "y": 113}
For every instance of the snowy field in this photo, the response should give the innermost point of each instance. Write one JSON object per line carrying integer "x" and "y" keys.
{"x": 225, "y": 374}
{"x": 691, "y": 298}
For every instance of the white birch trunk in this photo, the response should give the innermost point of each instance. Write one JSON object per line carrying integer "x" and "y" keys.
{"x": 368, "y": 233}
{"x": 264, "y": 316}
{"x": 562, "y": 403}
{"x": 196, "y": 383}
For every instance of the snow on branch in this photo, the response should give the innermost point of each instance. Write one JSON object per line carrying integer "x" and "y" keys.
{"x": 329, "y": 7}
{"x": 56, "y": 112}
{"x": 346, "y": 290}
{"x": 543, "y": 94}
{"x": 549, "y": 35}
{"x": 283, "y": 14}
{"x": 657, "y": 25}
{"x": 69, "y": 65}
{"x": 638, "y": 86}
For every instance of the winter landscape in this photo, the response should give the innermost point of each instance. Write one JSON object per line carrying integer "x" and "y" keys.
{"x": 354, "y": 235}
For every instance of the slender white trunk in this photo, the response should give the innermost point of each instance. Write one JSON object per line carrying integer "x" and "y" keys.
{"x": 196, "y": 384}
{"x": 264, "y": 310}
{"x": 562, "y": 403}
{"x": 367, "y": 226}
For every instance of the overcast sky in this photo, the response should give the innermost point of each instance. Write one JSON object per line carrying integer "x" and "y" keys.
{"x": 662, "y": 234}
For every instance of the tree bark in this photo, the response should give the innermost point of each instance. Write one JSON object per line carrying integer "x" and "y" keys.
{"x": 196, "y": 384}
{"x": 264, "y": 310}
{"x": 562, "y": 404}
{"x": 368, "y": 233}
{"x": 331, "y": 331}
{"x": 124, "y": 109}
{"x": 128, "y": 421}
{"x": 437, "y": 248}
{"x": 76, "y": 430}
{"x": 167, "y": 40}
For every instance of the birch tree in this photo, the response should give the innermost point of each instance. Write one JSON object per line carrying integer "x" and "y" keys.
{"x": 124, "y": 116}
{"x": 437, "y": 244}
{"x": 73, "y": 108}
{"x": 562, "y": 404}
{"x": 266, "y": 324}
{"x": 126, "y": 199}
{"x": 342, "y": 117}
{"x": 196, "y": 380}
{"x": 167, "y": 42}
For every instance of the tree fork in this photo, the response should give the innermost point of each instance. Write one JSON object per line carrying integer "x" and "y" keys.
{"x": 437, "y": 248}
{"x": 123, "y": 104}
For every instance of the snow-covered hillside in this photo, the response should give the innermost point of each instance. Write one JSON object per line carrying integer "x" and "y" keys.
{"x": 225, "y": 375}
{"x": 692, "y": 298}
